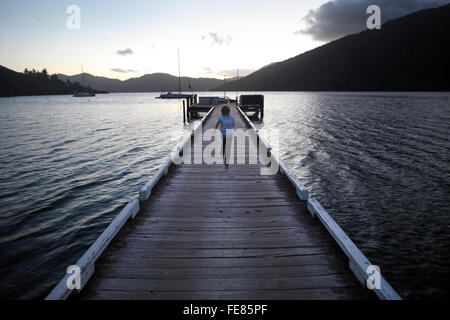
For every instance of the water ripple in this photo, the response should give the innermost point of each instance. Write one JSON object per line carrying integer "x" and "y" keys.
{"x": 379, "y": 163}
{"x": 68, "y": 166}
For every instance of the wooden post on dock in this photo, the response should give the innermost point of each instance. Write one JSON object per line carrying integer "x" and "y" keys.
{"x": 191, "y": 102}
{"x": 187, "y": 109}
{"x": 184, "y": 113}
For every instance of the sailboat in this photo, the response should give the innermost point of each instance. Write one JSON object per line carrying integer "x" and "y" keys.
{"x": 178, "y": 95}
{"x": 83, "y": 93}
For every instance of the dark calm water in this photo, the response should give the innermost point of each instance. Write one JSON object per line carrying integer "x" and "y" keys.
{"x": 378, "y": 162}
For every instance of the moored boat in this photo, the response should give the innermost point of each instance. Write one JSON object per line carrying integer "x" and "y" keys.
{"x": 171, "y": 95}
{"x": 83, "y": 94}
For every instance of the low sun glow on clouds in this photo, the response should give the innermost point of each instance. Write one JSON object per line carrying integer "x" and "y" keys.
{"x": 123, "y": 40}
{"x": 129, "y": 39}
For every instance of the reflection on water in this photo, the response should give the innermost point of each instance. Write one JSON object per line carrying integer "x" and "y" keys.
{"x": 378, "y": 162}
{"x": 68, "y": 166}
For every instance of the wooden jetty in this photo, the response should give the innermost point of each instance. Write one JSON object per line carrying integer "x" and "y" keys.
{"x": 202, "y": 231}
{"x": 253, "y": 103}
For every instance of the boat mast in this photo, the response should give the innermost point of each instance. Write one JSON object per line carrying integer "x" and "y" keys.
{"x": 179, "y": 74}
{"x": 224, "y": 88}
{"x": 82, "y": 73}
{"x": 237, "y": 91}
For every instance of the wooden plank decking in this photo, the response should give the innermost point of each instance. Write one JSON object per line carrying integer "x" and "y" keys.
{"x": 208, "y": 232}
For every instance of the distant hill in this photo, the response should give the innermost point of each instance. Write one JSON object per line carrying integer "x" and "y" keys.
{"x": 408, "y": 54}
{"x": 33, "y": 82}
{"x": 99, "y": 83}
{"x": 156, "y": 82}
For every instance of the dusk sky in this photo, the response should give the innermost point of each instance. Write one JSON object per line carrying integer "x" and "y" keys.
{"x": 124, "y": 39}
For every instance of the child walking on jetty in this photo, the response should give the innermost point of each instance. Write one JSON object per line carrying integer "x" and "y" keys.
{"x": 226, "y": 122}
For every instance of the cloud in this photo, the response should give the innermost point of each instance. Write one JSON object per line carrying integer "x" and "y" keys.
{"x": 217, "y": 39}
{"x": 125, "y": 52}
{"x": 338, "y": 18}
{"x": 123, "y": 70}
{"x": 232, "y": 73}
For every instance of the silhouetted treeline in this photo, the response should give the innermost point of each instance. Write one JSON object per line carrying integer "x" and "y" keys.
{"x": 32, "y": 82}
